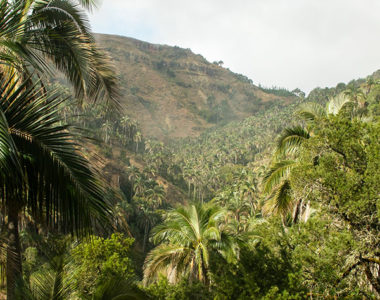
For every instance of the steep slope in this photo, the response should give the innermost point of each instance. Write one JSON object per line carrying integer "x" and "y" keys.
{"x": 173, "y": 92}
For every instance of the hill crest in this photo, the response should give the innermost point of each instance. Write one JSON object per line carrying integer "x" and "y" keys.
{"x": 175, "y": 93}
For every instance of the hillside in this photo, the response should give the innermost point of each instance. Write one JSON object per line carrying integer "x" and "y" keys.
{"x": 173, "y": 92}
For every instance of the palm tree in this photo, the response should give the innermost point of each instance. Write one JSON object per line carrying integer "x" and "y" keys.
{"x": 356, "y": 95}
{"x": 148, "y": 217}
{"x": 137, "y": 139}
{"x": 370, "y": 83}
{"x": 277, "y": 181}
{"x": 43, "y": 172}
{"x": 49, "y": 281}
{"x": 107, "y": 129}
{"x": 38, "y": 34}
{"x": 188, "y": 235}
{"x": 125, "y": 123}
{"x": 139, "y": 185}
{"x": 156, "y": 196}
{"x": 133, "y": 174}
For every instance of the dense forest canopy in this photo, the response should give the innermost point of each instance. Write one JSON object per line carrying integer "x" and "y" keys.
{"x": 275, "y": 195}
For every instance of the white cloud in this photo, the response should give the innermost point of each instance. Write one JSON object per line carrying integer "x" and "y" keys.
{"x": 288, "y": 43}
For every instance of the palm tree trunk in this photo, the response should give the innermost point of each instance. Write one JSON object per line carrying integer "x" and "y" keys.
{"x": 205, "y": 272}
{"x": 145, "y": 237}
{"x": 14, "y": 267}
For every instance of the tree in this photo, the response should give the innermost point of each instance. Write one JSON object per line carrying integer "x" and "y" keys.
{"x": 137, "y": 138}
{"x": 107, "y": 129}
{"x": 48, "y": 277}
{"x": 99, "y": 260}
{"x": 277, "y": 181}
{"x": 188, "y": 236}
{"x": 35, "y": 35}
{"x": 147, "y": 218}
{"x": 356, "y": 95}
{"x": 344, "y": 180}
{"x": 156, "y": 196}
{"x": 42, "y": 170}
{"x": 265, "y": 269}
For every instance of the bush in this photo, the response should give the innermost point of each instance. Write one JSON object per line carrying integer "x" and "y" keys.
{"x": 99, "y": 259}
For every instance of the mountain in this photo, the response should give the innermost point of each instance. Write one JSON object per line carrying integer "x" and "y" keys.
{"x": 174, "y": 93}
{"x": 211, "y": 120}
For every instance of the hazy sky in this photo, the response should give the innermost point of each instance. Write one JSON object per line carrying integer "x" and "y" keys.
{"x": 287, "y": 43}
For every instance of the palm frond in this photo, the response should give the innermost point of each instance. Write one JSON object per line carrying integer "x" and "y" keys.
{"x": 336, "y": 103}
{"x": 57, "y": 31}
{"x": 163, "y": 259}
{"x": 89, "y": 4}
{"x": 61, "y": 186}
{"x": 277, "y": 174}
{"x": 119, "y": 289}
{"x": 311, "y": 111}
{"x": 280, "y": 201}
{"x": 291, "y": 140}
{"x": 9, "y": 162}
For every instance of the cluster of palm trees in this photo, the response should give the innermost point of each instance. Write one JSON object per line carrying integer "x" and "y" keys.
{"x": 45, "y": 179}
{"x": 105, "y": 124}
{"x": 241, "y": 199}
{"x": 197, "y": 165}
{"x": 125, "y": 131}
{"x": 190, "y": 235}
{"x": 143, "y": 205}
{"x": 202, "y": 160}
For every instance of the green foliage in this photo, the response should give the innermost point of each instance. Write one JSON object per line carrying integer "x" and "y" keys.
{"x": 187, "y": 238}
{"x": 347, "y": 163}
{"x": 323, "y": 181}
{"x": 37, "y": 35}
{"x": 278, "y": 91}
{"x": 184, "y": 290}
{"x": 264, "y": 271}
{"x": 344, "y": 180}
{"x": 98, "y": 260}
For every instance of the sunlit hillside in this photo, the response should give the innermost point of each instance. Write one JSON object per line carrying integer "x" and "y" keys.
{"x": 139, "y": 171}
{"x": 173, "y": 92}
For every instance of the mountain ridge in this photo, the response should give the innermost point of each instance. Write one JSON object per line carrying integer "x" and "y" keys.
{"x": 175, "y": 93}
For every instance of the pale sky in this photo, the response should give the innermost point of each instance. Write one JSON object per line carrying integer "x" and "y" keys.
{"x": 285, "y": 43}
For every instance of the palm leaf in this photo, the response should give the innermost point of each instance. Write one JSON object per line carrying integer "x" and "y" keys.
{"x": 119, "y": 289}
{"x": 60, "y": 185}
{"x": 57, "y": 31}
{"x": 277, "y": 174}
{"x": 89, "y": 4}
{"x": 291, "y": 140}
{"x": 280, "y": 201}
{"x": 336, "y": 103}
{"x": 165, "y": 259}
{"x": 311, "y": 111}
{"x": 9, "y": 162}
